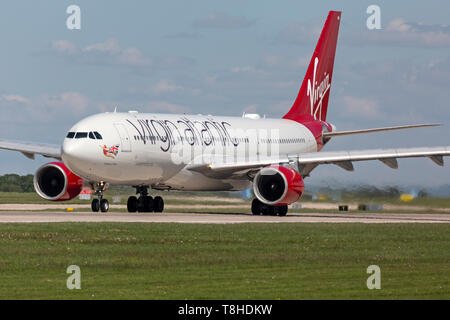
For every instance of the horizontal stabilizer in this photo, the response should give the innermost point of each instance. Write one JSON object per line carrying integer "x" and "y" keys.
{"x": 345, "y": 133}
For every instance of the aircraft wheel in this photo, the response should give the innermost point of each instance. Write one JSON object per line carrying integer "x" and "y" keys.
{"x": 95, "y": 205}
{"x": 266, "y": 209}
{"x": 283, "y": 210}
{"x": 145, "y": 204}
{"x": 104, "y": 205}
{"x": 256, "y": 207}
{"x": 132, "y": 204}
{"x": 272, "y": 210}
{"x": 275, "y": 210}
{"x": 158, "y": 204}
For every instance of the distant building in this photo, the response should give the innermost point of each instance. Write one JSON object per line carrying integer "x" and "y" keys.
{"x": 85, "y": 193}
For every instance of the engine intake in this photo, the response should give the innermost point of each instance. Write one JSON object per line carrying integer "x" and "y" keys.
{"x": 278, "y": 185}
{"x": 55, "y": 182}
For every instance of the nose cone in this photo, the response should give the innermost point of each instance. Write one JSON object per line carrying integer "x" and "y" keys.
{"x": 75, "y": 154}
{"x": 70, "y": 151}
{"x": 67, "y": 148}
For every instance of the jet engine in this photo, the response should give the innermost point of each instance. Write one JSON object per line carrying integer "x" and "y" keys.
{"x": 55, "y": 182}
{"x": 278, "y": 185}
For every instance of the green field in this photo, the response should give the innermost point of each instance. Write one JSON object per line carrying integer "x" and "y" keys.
{"x": 243, "y": 261}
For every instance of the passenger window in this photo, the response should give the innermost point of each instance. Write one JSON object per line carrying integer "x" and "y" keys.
{"x": 70, "y": 135}
{"x": 81, "y": 135}
{"x": 98, "y": 135}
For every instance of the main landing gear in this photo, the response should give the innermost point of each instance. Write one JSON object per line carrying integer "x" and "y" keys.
{"x": 259, "y": 208}
{"x": 144, "y": 203}
{"x": 99, "y": 204}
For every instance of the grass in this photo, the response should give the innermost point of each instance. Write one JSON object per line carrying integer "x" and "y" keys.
{"x": 242, "y": 261}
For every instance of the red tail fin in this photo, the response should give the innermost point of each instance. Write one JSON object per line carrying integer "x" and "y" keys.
{"x": 312, "y": 100}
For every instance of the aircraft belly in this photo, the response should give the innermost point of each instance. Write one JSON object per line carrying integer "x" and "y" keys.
{"x": 194, "y": 181}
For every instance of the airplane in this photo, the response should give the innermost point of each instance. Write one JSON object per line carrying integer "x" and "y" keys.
{"x": 210, "y": 153}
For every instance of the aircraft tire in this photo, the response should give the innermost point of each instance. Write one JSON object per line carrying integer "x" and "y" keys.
{"x": 158, "y": 204}
{"x": 256, "y": 207}
{"x": 104, "y": 205}
{"x": 283, "y": 211}
{"x": 265, "y": 209}
{"x": 132, "y": 204}
{"x": 95, "y": 205}
{"x": 145, "y": 204}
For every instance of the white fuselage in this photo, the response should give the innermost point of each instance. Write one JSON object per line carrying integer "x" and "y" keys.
{"x": 157, "y": 150}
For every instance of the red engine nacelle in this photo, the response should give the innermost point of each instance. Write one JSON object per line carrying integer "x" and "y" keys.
{"x": 278, "y": 185}
{"x": 54, "y": 182}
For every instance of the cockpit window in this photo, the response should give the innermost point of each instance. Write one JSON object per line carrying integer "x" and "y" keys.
{"x": 98, "y": 135}
{"x": 91, "y": 135}
{"x": 81, "y": 135}
{"x": 70, "y": 135}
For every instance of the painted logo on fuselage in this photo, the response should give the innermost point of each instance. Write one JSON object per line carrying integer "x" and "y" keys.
{"x": 110, "y": 152}
{"x": 184, "y": 131}
{"x": 316, "y": 93}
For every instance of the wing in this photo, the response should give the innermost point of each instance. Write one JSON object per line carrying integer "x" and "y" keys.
{"x": 308, "y": 161}
{"x": 30, "y": 149}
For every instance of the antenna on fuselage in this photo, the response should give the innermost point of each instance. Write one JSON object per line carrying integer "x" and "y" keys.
{"x": 115, "y": 109}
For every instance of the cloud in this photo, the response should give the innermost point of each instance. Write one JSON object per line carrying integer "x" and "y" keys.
{"x": 220, "y": 20}
{"x": 248, "y": 69}
{"x": 64, "y": 47}
{"x": 300, "y": 33}
{"x": 361, "y": 107}
{"x": 109, "y": 52}
{"x": 111, "y": 46}
{"x": 406, "y": 90}
{"x": 73, "y": 102}
{"x": 164, "y": 86}
{"x": 16, "y": 98}
{"x": 133, "y": 57}
{"x": 284, "y": 62}
{"x": 183, "y": 35}
{"x": 250, "y": 109}
{"x": 283, "y": 106}
{"x": 400, "y": 33}
{"x": 44, "y": 108}
{"x": 164, "y": 106}
{"x": 397, "y": 33}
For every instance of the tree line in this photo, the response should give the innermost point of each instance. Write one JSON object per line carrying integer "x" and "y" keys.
{"x": 16, "y": 183}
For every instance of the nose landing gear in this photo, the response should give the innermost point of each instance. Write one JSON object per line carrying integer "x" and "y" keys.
{"x": 144, "y": 203}
{"x": 99, "y": 204}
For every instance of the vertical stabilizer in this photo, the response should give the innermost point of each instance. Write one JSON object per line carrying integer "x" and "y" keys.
{"x": 312, "y": 100}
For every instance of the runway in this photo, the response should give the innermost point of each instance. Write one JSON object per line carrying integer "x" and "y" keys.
{"x": 219, "y": 218}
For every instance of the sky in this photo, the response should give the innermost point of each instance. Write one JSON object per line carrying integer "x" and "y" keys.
{"x": 224, "y": 58}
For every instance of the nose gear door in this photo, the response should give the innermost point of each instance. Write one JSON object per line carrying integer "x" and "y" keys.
{"x": 124, "y": 137}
